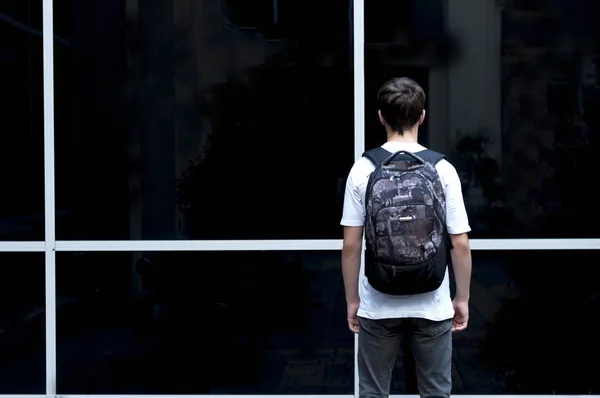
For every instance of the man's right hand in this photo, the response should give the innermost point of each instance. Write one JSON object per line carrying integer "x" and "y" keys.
{"x": 352, "y": 315}
{"x": 461, "y": 315}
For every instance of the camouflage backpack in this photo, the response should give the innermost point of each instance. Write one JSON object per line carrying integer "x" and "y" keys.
{"x": 405, "y": 224}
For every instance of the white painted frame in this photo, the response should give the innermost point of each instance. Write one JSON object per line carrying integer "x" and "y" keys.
{"x": 50, "y": 245}
{"x": 306, "y": 396}
{"x": 274, "y": 245}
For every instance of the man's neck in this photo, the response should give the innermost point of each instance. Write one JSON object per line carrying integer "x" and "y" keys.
{"x": 409, "y": 136}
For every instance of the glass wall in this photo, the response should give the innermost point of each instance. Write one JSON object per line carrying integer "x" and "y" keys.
{"x": 174, "y": 173}
{"x": 513, "y": 100}
{"x": 22, "y": 138}
{"x": 202, "y": 323}
{"x": 162, "y": 104}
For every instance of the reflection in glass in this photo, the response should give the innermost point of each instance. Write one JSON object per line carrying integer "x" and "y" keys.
{"x": 21, "y": 127}
{"x": 533, "y": 317}
{"x": 27, "y": 14}
{"x": 203, "y": 323}
{"x": 513, "y": 100}
{"x": 203, "y": 120}
{"x": 22, "y": 324}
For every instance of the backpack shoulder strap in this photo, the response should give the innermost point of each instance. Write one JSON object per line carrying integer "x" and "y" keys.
{"x": 431, "y": 156}
{"x": 377, "y": 155}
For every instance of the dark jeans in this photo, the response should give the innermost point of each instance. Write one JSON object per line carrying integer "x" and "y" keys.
{"x": 379, "y": 342}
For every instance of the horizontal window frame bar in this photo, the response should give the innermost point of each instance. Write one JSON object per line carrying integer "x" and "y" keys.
{"x": 309, "y": 396}
{"x": 23, "y": 395}
{"x": 22, "y": 246}
{"x": 272, "y": 396}
{"x": 206, "y": 396}
{"x": 275, "y": 245}
{"x": 306, "y": 245}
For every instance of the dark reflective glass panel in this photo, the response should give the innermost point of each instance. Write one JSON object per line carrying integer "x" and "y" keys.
{"x": 22, "y": 126}
{"x": 513, "y": 100}
{"x": 26, "y": 14}
{"x": 203, "y": 323}
{"x": 532, "y": 327}
{"x": 203, "y": 120}
{"x": 22, "y": 324}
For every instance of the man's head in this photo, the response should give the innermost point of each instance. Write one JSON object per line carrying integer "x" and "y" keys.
{"x": 401, "y": 104}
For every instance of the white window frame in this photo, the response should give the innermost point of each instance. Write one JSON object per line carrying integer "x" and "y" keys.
{"x": 50, "y": 245}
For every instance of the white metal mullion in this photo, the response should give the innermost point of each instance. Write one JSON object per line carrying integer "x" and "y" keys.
{"x": 356, "y": 390}
{"x": 359, "y": 77}
{"x": 8, "y": 246}
{"x": 313, "y": 396}
{"x": 50, "y": 237}
{"x": 200, "y": 245}
{"x": 305, "y": 245}
{"x": 535, "y": 244}
{"x": 359, "y": 117}
{"x": 207, "y": 396}
{"x": 502, "y": 396}
{"x": 23, "y": 396}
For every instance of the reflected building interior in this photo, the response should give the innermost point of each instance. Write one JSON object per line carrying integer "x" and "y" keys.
{"x": 273, "y": 323}
{"x": 21, "y": 129}
{"x": 512, "y": 100}
{"x": 186, "y": 99}
{"x": 22, "y": 320}
{"x": 203, "y": 323}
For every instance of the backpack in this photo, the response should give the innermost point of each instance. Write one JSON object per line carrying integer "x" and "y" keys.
{"x": 405, "y": 224}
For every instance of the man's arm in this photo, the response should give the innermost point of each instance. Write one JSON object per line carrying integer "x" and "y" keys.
{"x": 457, "y": 222}
{"x": 351, "y": 252}
{"x": 461, "y": 262}
{"x": 353, "y": 220}
{"x": 458, "y": 227}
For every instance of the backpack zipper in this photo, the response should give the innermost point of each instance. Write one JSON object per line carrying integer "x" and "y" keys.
{"x": 396, "y": 268}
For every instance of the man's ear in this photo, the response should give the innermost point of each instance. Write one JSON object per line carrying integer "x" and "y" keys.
{"x": 381, "y": 119}
{"x": 422, "y": 118}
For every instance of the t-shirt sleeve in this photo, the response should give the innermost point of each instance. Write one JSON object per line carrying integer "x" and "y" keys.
{"x": 353, "y": 214}
{"x": 457, "y": 220}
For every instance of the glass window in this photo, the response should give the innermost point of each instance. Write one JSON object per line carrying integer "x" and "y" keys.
{"x": 25, "y": 13}
{"x": 203, "y": 323}
{"x": 22, "y": 128}
{"x": 533, "y": 317}
{"x": 513, "y": 100}
{"x": 199, "y": 120}
{"x": 22, "y": 324}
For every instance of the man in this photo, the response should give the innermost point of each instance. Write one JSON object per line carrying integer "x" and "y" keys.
{"x": 427, "y": 319}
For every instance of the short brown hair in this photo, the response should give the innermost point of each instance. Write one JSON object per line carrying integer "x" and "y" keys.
{"x": 401, "y": 102}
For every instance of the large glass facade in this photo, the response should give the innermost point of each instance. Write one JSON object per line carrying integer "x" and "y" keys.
{"x": 174, "y": 173}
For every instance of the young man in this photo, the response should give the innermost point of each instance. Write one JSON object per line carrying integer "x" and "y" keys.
{"x": 427, "y": 319}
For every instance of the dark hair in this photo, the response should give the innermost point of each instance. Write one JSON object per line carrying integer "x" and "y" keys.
{"x": 401, "y": 102}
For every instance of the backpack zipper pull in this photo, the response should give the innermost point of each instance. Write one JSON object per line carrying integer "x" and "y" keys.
{"x": 394, "y": 271}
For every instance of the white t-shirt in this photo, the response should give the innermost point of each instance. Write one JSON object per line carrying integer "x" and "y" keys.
{"x": 436, "y": 305}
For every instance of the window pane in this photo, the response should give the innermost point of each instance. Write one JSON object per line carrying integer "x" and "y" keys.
{"x": 22, "y": 324}
{"x": 513, "y": 100}
{"x": 22, "y": 127}
{"x": 25, "y": 13}
{"x": 203, "y": 323}
{"x": 533, "y": 317}
{"x": 197, "y": 120}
